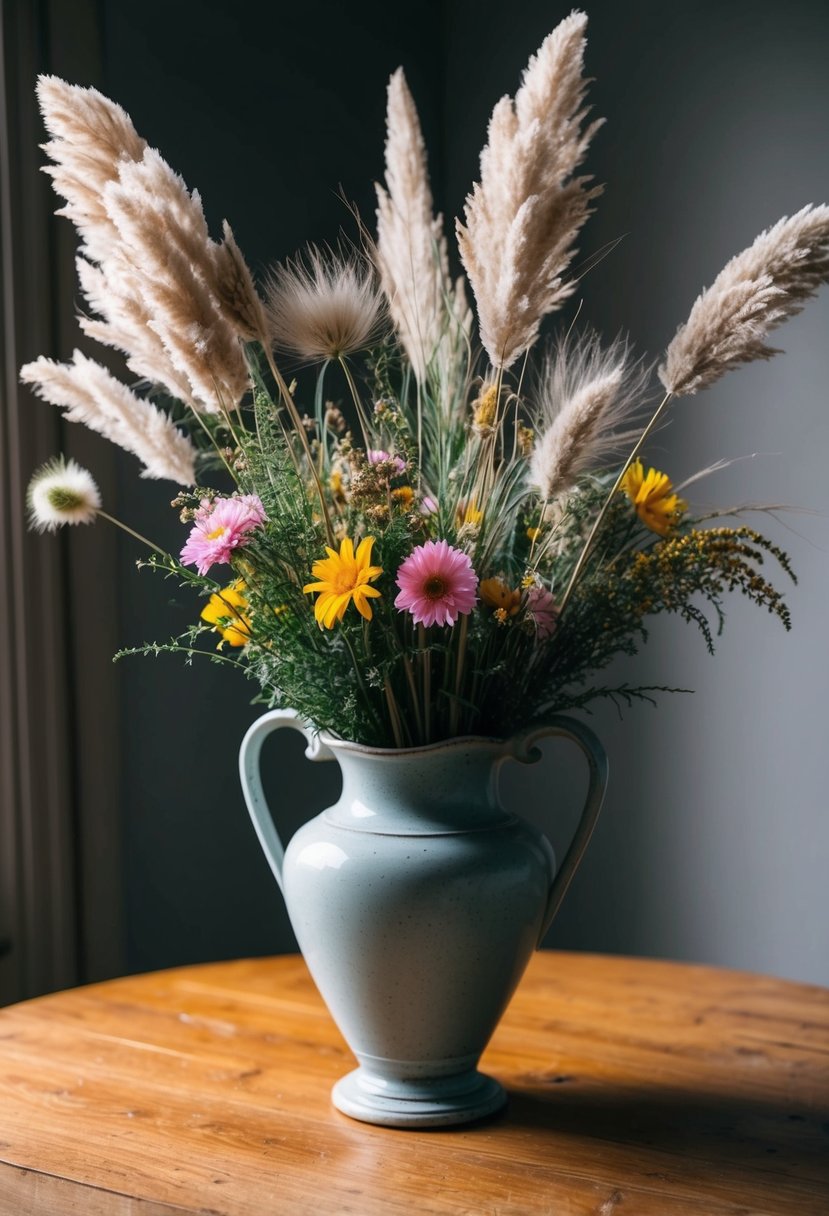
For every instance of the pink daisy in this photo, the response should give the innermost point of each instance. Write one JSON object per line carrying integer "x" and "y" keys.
{"x": 437, "y": 584}
{"x": 378, "y": 456}
{"x": 221, "y": 527}
{"x": 544, "y": 611}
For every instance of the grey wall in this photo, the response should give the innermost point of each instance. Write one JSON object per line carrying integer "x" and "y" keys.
{"x": 715, "y": 838}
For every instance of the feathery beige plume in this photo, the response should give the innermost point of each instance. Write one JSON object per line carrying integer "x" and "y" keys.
{"x": 164, "y": 239}
{"x": 585, "y": 396}
{"x": 428, "y": 309}
{"x": 527, "y": 210}
{"x": 89, "y": 394}
{"x": 235, "y": 289}
{"x": 323, "y": 307}
{"x": 115, "y": 292}
{"x": 152, "y": 272}
{"x": 91, "y": 136}
{"x": 754, "y": 292}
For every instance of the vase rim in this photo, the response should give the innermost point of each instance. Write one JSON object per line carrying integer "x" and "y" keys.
{"x": 456, "y": 742}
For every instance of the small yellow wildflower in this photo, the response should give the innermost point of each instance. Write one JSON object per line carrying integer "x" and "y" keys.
{"x": 484, "y": 408}
{"x": 526, "y": 439}
{"x": 468, "y": 513}
{"x": 652, "y": 495}
{"x": 533, "y": 534}
{"x": 341, "y": 578}
{"x": 404, "y": 495}
{"x": 496, "y": 594}
{"x": 226, "y": 611}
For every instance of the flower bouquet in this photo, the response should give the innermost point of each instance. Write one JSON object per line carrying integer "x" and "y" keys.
{"x": 451, "y": 531}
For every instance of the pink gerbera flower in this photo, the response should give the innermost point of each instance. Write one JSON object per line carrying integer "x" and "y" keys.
{"x": 437, "y": 584}
{"x": 544, "y": 612}
{"x": 220, "y": 527}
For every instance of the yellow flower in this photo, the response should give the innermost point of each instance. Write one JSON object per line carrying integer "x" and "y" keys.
{"x": 484, "y": 409}
{"x": 533, "y": 534}
{"x": 226, "y": 611}
{"x": 496, "y": 593}
{"x": 652, "y": 495}
{"x": 404, "y": 495}
{"x": 343, "y": 577}
{"x": 468, "y": 513}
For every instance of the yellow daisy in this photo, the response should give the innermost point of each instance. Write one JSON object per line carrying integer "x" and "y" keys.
{"x": 652, "y": 495}
{"x": 343, "y": 577}
{"x": 226, "y": 611}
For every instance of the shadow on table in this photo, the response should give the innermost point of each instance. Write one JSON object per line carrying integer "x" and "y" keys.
{"x": 723, "y": 1134}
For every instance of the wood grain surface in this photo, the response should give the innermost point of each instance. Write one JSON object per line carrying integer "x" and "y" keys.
{"x": 636, "y": 1087}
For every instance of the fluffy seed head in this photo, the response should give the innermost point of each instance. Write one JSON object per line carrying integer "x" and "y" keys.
{"x": 323, "y": 307}
{"x": 61, "y": 492}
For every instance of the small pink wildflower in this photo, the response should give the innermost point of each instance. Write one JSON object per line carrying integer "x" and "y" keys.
{"x": 220, "y": 528}
{"x": 378, "y": 456}
{"x": 437, "y": 584}
{"x": 428, "y": 506}
{"x": 544, "y": 611}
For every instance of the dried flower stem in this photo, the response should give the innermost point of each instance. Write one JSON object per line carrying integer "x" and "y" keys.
{"x": 358, "y": 405}
{"x": 454, "y": 712}
{"x": 394, "y": 713}
{"x": 137, "y": 536}
{"x": 303, "y": 438}
{"x": 588, "y": 544}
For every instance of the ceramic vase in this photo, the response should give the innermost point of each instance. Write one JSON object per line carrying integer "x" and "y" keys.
{"x": 417, "y": 901}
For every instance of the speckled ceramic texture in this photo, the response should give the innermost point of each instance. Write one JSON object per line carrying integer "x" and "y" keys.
{"x": 417, "y": 901}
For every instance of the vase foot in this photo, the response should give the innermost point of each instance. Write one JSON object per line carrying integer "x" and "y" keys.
{"x": 435, "y": 1102}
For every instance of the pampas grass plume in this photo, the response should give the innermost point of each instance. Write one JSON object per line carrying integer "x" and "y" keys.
{"x": 89, "y": 394}
{"x": 524, "y": 215}
{"x": 754, "y": 292}
{"x": 586, "y": 395}
{"x": 411, "y": 250}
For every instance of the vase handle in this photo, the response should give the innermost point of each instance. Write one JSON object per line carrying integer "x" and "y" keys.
{"x": 250, "y": 776}
{"x": 596, "y": 757}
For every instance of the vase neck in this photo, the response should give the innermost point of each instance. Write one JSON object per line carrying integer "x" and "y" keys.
{"x": 450, "y": 787}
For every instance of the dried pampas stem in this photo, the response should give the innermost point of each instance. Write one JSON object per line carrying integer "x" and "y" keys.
{"x": 149, "y": 268}
{"x": 754, "y": 292}
{"x": 527, "y": 210}
{"x": 164, "y": 238}
{"x": 585, "y": 396}
{"x": 237, "y": 294}
{"x": 89, "y": 394}
{"x": 91, "y": 137}
{"x": 411, "y": 249}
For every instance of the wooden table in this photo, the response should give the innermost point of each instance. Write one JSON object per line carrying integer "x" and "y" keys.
{"x": 637, "y": 1088}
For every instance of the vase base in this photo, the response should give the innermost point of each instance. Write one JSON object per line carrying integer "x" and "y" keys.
{"x": 437, "y": 1102}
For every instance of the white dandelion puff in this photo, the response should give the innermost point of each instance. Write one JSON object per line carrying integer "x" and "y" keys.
{"x": 61, "y": 492}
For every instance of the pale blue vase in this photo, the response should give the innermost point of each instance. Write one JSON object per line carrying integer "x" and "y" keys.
{"x": 417, "y": 901}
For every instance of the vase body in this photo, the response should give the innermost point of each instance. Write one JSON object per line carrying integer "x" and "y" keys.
{"x": 416, "y": 900}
